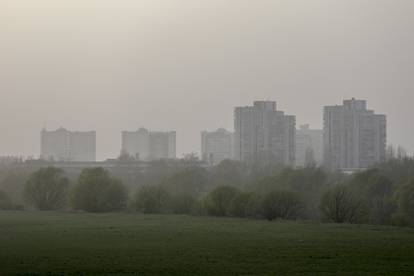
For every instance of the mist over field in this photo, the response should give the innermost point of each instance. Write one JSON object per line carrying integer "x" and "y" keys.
{"x": 184, "y": 65}
{"x": 206, "y": 137}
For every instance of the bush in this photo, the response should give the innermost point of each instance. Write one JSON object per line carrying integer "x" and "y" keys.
{"x": 152, "y": 200}
{"x": 219, "y": 201}
{"x": 5, "y": 201}
{"x": 381, "y": 210}
{"x": 97, "y": 191}
{"x": 340, "y": 205}
{"x": 281, "y": 204}
{"x": 240, "y": 205}
{"x": 47, "y": 189}
{"x": 182, "y": 204}
{"x": 400, "y": 219}
{"x": 405, "y": 200}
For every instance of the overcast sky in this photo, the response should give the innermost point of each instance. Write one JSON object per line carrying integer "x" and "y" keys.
{"x": 113, "y": 65}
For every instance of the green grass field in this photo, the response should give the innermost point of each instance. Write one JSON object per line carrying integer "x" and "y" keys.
{"x": 65, "y": 244}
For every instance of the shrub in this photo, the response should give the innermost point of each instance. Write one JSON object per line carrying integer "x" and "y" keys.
{"x": 381, "y": 210}
{"x": 240, "y": 204}
{"x": 152, "y": 200}
{"x": 182, "y": 204}
{"x": 404, "y": 198}
{"x": 97, "y": 191}
{"x": 47, "y": 189}
{"x": 5, "y": 201}
{"x": 281, "y": 204}
{"x": 219, "y": 201}
{"x": 340, "y": 205}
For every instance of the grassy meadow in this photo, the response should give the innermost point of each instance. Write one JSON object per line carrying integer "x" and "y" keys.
{"x": 59, "y": 243}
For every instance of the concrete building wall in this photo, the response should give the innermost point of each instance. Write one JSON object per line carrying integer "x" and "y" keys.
{"x": 147, "y": 145}
{"x": 136, "y": 144}
{"x": 64, "y": 145}
{"x": 354, "y": 137}
{"x": 309, "y": 146}
{"x": 216, "y": 146}
{"x": 264, "y": 135}
{"x": 162, "y": 145}
{"x": 82, "y": 146}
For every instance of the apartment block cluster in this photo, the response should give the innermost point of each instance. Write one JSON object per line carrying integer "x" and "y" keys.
{"x": 353, "y": 137}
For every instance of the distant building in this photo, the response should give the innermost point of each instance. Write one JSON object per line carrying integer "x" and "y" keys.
{"x": 309, "y": 146}
{"x": 216, "y": 146}
{"x": 65, "y": 145}
{"x": 162, "y": 145}
{"x": 11, "y": 159}
{"x": 354, "y": 137}
{"x": 137, "y": 143}
{"x": 264, "y": 135}
{"x": 147, "y": 145}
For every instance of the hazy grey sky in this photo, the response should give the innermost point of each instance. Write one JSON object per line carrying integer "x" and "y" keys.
{"x": 113, "y": 65}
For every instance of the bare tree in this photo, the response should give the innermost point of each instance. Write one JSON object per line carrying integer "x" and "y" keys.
{"x": 47, "y": 189}
{"x": 340, "y": 205}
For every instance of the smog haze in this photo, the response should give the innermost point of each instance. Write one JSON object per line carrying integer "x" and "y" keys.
{"x": 184, "y": 65}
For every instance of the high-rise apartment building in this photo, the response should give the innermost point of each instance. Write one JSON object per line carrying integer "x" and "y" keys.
{"x": 216, "y": 146}
{"x": 354, "y": 137}
{"x": 65, "y": 145}
{"x": 136, "y": 143}
{"x": 309, "y": 146}
{"x": 147, "y": 145}
{"x": 162, "y": 145}
{"x": 264, "y": 135}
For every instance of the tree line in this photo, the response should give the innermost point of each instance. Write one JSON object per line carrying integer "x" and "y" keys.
{"x": 381, "y": 195}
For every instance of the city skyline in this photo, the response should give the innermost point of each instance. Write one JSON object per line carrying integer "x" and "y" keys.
{"x": 353, "y": 137}
{"x": 124, "y": 66}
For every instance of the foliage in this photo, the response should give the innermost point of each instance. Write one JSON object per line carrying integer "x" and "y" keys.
{"x": 241, "y": 205}
{"x": 182, "y": 204}
{"x": 5, "y": 201}
{"x": 47, "y": 189}
{"x": 281, "y": 205}
{"x": 191, "y": 181}
{"x": 152, "y": 200}
{"x": 229, "y": 172}
{"x": 97, "y": 191}
{"x": 219, "y": 201}
{"x": 375, "y": 190}
{"x": 340, "y": 205}
{"x": 13, "y": 183}
{"x": 405, "y": 200}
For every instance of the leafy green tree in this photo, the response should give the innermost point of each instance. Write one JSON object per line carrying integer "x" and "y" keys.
{"x": 192, "y": 181}
{"x": 5, "y": 201}
{"x": 229, "y": 172}
{"x": 375, "y": 190}
{"x": 281, "y": 204}
{"x": 182, "y": 204}
{"x": 97, "y": 191}
{"x": 404, "y": 198}
{"x": 14, "y": 183}
{"x": 381, "y": 210}
{"x": 340, "y": 205}
{"x": 219, "y": 201}
{"x": 152, "y": 200}
{"x": 241, "y": 205}
{"x": 47, "y": 189}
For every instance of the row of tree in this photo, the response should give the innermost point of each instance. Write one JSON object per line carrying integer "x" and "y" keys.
{"x": 384, "y": 195}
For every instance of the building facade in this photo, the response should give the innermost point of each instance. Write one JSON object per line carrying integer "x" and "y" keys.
{"x": 216, "y": 146}
{"x": 147, "y": 145}
{"x": 354, "y": 137}
{"x": 309, "y": 147}
{"x": 264, "y": 135}
{"x": 65, "y": 145}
